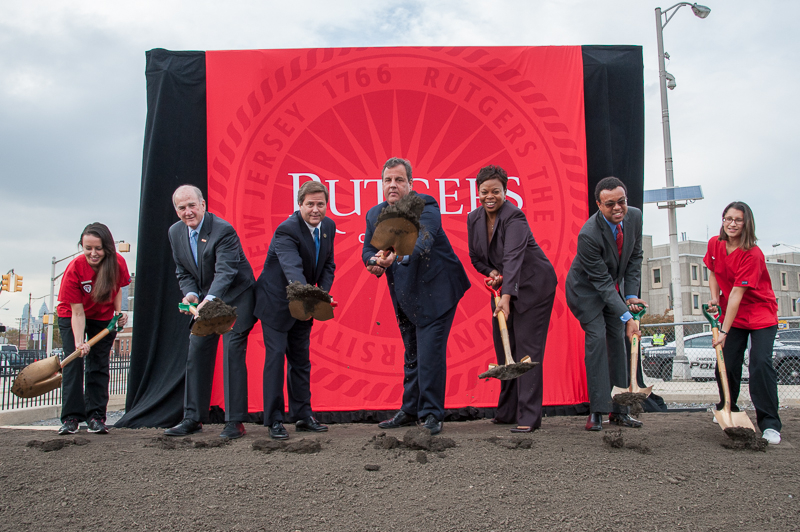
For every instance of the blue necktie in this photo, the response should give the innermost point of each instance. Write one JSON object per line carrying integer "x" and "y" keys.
{"x": 193, "y": 243}
{"x": 316, "y": 243}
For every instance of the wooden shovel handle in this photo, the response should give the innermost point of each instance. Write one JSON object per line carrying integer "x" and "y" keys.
{"x": 501, "y": 321}
{"x": 96, "y": 338}
{"x": 723, "y": 373}
{"x": 634, "y": 357}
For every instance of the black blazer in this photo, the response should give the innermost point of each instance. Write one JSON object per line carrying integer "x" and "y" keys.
{"x": 222, "y": 269}
{"x": 597, "y": 267}
{"x": 291, "y": 258}
{"x": 433, "y": 281}
{"x": 527, "y": 273}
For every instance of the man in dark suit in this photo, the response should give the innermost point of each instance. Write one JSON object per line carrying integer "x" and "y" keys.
{"x": 211, "y": 264}
{"x": 608, "y": 264}
{"x": 301, "y": 250}
{"x": 425, "y": 288}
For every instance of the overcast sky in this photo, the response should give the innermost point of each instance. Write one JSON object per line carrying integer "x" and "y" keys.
{"x": 72, "y": 99}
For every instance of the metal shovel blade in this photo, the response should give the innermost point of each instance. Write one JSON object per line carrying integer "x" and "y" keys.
{"x": 728, "y": 419}
{"x": 395, "y": 233}
{"x": 37, "y": 378}
{"x": 507, "y": 372}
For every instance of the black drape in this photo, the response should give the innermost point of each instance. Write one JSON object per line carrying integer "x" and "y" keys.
{"x": 175, "y": 154}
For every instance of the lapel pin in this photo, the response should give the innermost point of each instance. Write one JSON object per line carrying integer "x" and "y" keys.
{"x": 324, "y": 235}
{"x": 203, "y": 240}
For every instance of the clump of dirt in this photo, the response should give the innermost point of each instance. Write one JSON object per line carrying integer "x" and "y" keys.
{"x": 372, "y": 467}
{"x": 409, "y": 207}
{"x": 512, "y": 443}
{"x": 422, "y": 457}
{"x": 216, "y": 308}
{"x": 633, "y": 400}
{"x": 421, "y": 439}
{"x": 743, "y": 439}
{"x": 170, "y": 443}
{"x": 303, "y": 446}
{"x": 382, "y": 441}
{"x": 615, "y": 440}
{"x": 507, "y": 372}
{"x": 57, "y": 444}
{"x": 308, "y": 294}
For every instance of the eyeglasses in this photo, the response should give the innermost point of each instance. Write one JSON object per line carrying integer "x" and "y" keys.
{"x": 728, "y": 220}
{"x": 610, "y": 204}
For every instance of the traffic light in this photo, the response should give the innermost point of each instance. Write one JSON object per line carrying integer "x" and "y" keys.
{"x": 6, "y": 282}
{"x": 17, "y": 283}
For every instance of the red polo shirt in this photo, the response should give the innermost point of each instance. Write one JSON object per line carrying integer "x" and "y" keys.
{"x": 77, "y": 285}
{"x": 747, "y": 269}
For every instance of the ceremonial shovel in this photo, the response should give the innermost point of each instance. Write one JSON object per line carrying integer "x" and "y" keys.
{"x": 511, "y": 369}
{"x": 619, "y": 394}
{"x": 215, "y": 318}
{"x": 309, "y": 301}
{"x": 725, "y": 417}
{"x": 398, "y": 226}
{"x": 44, "y": 375}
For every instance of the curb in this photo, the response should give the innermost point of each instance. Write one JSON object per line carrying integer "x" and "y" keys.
{"x": 26, "y": 416}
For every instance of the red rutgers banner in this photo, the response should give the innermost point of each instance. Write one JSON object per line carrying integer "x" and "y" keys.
{"x": 277, "y": 118}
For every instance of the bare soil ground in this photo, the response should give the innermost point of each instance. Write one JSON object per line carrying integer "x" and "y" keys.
{"x": 673, "y": 474}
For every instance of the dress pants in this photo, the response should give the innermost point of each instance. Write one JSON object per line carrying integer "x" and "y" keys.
{"x": 520, "y": 399}
{"x": 294, "y": 346}
{"x": 425, "y": 364}
{"x": 200, "y": 367}
{"x": 90, "y": 402}
{"x": 605, "y": 360}
{"x": 763, "y": 377}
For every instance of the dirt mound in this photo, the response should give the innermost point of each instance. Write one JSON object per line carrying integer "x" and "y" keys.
{"x": 615, "y": 440}
{"x": 742, "y": 439}
{"x": 633, "y": 400}
{"x": 303, "y": 446}
{"x": 215, "y": 309}
{"x": 57, "y": 444}
{"x": 416, "y": 439}
{"x": 170, "y": 443}
{"x": 515, "y": 442}
{"x": 409, "y": 207}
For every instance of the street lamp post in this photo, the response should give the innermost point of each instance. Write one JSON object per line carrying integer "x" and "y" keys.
{"x": 666, "y": 80}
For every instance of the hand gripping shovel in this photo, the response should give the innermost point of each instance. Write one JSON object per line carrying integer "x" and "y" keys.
{"x": 398, "y": 225}
{"x": 42, "y": 376}
{"x": 215, "y": 318}
{"x": 510, "y": 370}
{"x": 725, "y": 417}
{"x": 633, "y": 393}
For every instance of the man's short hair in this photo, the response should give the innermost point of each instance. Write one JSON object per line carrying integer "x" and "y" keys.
{"x": 197, "y": 192}
{"x": 397, "y": 161}
{"x": 311, "y": 187}
{"x": 608, "y": 183}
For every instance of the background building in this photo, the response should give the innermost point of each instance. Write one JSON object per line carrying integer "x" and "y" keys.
{"x": 784, "y": 271}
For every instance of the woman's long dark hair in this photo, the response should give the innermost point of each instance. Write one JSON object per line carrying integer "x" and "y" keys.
{"x": 108, "y": 270}
{"x": 748, "y": 239}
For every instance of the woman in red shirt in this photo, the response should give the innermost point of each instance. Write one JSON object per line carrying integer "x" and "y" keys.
{"x": 88, "y": 299}
{"x": 741, "y": 287}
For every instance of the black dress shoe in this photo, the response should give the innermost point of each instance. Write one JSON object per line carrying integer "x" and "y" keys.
{"x": 400, "y": 419}
{"x": 432, "y": 424}
{"x": 277, "y": 431}
{"x": 184, "y": 428}
{"x": 233, "y": 430}
{"x": 594, "y": 422}
{"x": 310, "y": 424}
{"x": 624, "y": 420}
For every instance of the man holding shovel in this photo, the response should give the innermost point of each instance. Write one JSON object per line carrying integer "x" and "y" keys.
{"x": 425, "y": 287}
{"x": 211, "y": 264}
{"x": 608, "y": 264}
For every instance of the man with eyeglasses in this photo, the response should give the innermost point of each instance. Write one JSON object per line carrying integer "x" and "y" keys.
{"x": 602, "y": 289}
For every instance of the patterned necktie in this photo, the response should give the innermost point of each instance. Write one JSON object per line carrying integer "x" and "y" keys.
{"x": 619, "y": 240}
{"x": 193, "y": 243}
{"x": 316, "y": 243}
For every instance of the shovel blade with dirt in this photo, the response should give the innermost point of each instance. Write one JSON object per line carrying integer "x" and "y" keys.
{"x": 216, "y": 317}
{"x": 510, "y": 370}
{"x": 42, "y": 376}
{"x": 725, "y": 417}
{"x": 633, "y": 394}
{"x": 398, "y": 226}
{"x": 309, "y": 301}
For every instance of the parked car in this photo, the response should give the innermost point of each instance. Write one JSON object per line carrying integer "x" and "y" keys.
{"x": 657, "y": 362}
{"x": 788, "y": 336}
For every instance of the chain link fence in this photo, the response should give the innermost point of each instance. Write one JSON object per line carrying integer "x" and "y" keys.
{"x": 687, "y": 374}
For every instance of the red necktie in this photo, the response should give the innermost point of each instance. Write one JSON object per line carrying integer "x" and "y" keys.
{"x": 619, "y": 240}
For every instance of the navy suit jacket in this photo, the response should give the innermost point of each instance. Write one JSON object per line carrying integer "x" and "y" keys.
{"x": 433, "y": 281}
{"x": 222, "y": 269}
{"x": 291, "y": 258}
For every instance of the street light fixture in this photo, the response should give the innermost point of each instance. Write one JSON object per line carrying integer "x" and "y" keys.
{"x": 668, "y": 81}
